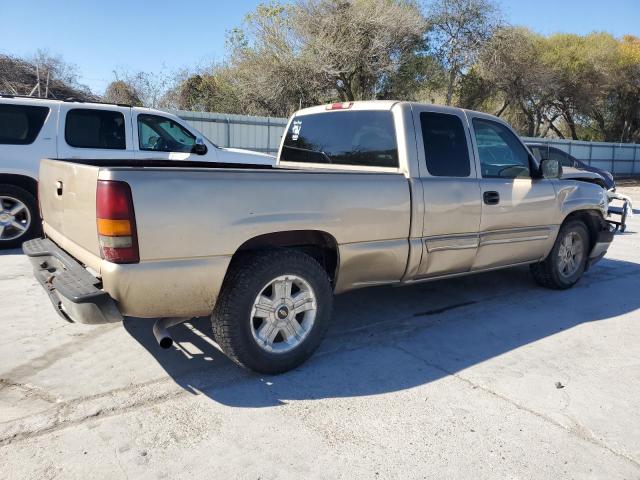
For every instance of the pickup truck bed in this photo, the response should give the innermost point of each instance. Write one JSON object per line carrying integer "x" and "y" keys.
{"x": 363, "y": 194}
{"x": 189, "y": 232}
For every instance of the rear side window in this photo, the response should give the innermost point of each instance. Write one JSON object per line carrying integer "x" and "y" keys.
{"x": 445, "y": 145}
{"x": 88, "y": 128}
{"x": 20, "y": 124}
{"x": 364, "y": 138}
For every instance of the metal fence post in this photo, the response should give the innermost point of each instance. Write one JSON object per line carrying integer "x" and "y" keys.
{"x": 269, "y": 134}
{"x": 228, "y": 122}
{"x": 613, "y": 160}
{"x": 590, "y": 153}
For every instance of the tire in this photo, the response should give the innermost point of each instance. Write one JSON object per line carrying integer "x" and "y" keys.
{"x": 550, "y": 272}
{"x": 253, "y": 303}
{"x": 28, "y": 217}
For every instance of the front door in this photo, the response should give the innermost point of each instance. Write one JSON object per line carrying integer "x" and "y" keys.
{"x": 517, "y": 209}
{"x": 161, "y": 138}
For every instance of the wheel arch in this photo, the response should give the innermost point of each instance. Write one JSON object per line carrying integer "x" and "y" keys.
{"x": 318, "y": 244}
{"x": 23, "y": 181}
{"x": 592, "y": 219}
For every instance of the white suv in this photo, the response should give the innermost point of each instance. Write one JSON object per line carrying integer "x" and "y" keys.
{"x": 32, "y": 129}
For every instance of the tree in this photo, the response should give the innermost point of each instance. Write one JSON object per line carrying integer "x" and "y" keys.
{"x": 458, "y": 30}
{"x": 510, "y": 63}
{"x": 56, "y": 68}
{"x": 150, "y": 89}
{"x": 313, "y": 51}
{"x": 598, "y": 84}
{"x": 121, "y": 92}
{"x": 43, "y": 76}
{"x": 208, "y": 91}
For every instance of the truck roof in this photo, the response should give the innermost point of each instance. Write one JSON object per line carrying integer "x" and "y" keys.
{"x": 383, "y": 105}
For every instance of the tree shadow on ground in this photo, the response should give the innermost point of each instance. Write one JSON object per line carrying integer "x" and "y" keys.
{"x": 387, "y": 339}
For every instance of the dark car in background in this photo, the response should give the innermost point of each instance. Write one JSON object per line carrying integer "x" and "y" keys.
{"x": 543, "y": 151}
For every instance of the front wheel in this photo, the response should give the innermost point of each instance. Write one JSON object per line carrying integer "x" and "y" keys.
{"x": 568, "y": 259}
{"x": 273, "y": 310}
{"x": 19, "y": 220}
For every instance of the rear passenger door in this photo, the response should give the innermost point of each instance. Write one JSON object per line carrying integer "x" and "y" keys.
{"x": 94, "y": 132}
{"x": 518, "y": 209}
{"x": 451, "y": 191}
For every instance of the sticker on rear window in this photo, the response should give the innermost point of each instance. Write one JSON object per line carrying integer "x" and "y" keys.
{"x": 295, "y": 129}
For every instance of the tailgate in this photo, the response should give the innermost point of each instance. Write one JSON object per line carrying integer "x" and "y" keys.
{"x": 67, "y": 193}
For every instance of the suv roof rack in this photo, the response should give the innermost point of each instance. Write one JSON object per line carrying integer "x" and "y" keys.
{"x": 68, "y": 99}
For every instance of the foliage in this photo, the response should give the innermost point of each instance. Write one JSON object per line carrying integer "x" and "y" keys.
{"x": 122, "y": 92}
{"x": 43, "y": 75}
{"x": 458, "y": 30}
{"x": 314, "y": 51}
{"x": 582, "y": 87}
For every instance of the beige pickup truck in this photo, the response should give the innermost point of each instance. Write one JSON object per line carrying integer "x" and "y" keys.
{"x": 364, "y": 193}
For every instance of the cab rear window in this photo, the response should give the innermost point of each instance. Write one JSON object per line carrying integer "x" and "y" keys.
{"x": 363, "y": 138}
{"x": 20, "y": 124}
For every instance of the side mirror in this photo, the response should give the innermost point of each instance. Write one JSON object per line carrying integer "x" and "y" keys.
{"x": 551, "y": 168}
{"x": 199, "y": 148}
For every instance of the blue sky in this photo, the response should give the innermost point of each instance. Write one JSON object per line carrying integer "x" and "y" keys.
{"x": 100, "y": 37}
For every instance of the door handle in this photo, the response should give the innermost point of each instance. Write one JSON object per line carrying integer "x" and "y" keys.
{"x": 491, "y": 198}
{"x": 59, "y": 188}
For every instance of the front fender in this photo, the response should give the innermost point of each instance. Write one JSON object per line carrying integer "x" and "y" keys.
{"x": 590, "y": 203}
{"x": 576, "y": 196}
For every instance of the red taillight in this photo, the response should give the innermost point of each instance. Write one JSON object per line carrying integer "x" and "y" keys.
{"x": 116, "y": 222}
{"x": 340, "y": 106}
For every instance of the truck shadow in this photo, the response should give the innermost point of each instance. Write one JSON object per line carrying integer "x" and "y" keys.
{"x": 388, "y": 339}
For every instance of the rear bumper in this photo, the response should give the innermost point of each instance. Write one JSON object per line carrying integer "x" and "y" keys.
{"x": 74, "y": 292}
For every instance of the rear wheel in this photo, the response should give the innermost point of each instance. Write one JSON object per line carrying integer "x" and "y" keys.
{"x": 18, "y": 216}
{"x": 273, "y": 310}
{"x": 568, "y": 259}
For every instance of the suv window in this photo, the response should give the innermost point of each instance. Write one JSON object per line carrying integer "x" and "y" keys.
{"x": 161, "y": 134}
{"x": 89, "y": 128}
{"x": 501, "y": 153}
{"x": 445, "y": 145}
{"x": 20, "y": 124}
{"x": 365, "y": 138}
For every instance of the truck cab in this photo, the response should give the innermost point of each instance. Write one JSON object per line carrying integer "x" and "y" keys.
{"x": 480, "y": 199}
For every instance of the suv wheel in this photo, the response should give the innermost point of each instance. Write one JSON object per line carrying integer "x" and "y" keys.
{"x": 18, "y": 216}
{"x": 568, "y": 259}
{"x": 273, "y": 310}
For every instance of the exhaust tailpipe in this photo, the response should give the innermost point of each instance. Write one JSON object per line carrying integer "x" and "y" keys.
{"x": 161, "y": 330}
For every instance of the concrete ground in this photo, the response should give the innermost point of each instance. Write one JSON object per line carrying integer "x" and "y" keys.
{"x": 488, "y": 376}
